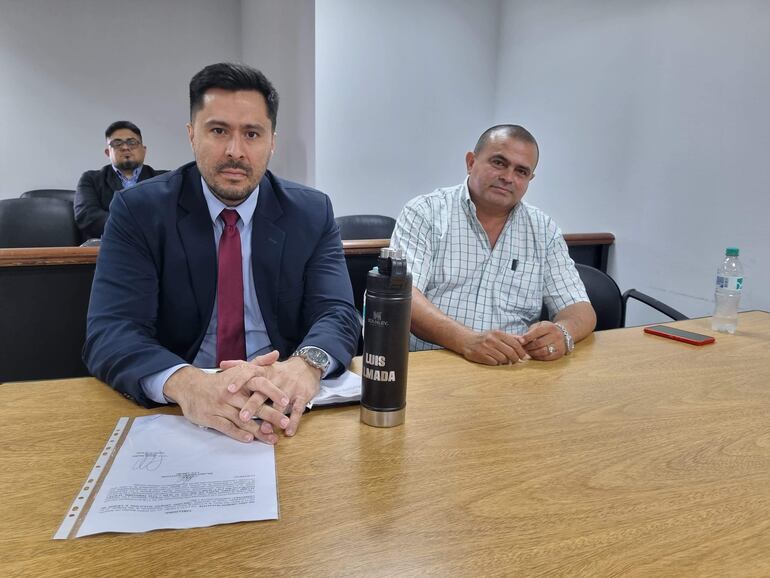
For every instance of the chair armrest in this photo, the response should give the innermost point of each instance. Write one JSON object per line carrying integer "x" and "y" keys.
{"x": 654, "y": 303}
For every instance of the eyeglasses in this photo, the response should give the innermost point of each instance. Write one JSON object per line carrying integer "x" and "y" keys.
{"x": 131, "y": 143}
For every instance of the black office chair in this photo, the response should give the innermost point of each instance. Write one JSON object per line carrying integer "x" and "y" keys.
{"x": 37, "y": 222}
{"x": 64, "y": 194}
{"x": 354, "y": 227}
{"x": 610, "y": 304}
{"x": 365, "y": 226}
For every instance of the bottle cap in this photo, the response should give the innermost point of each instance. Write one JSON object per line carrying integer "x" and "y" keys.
{"x": 732, "y": 252}
{"x": 391, "y": 253}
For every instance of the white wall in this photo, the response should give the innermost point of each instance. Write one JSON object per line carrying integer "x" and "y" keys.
{"x": 279, "y": 39}
{"x": 654, "y": 124}
{"x": 403, "y": 89}
{"x": 652, "y": 116}
{"x": 70, "y": 68}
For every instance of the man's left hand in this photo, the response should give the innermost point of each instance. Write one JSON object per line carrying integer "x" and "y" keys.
{"x": 296, "y": 378}
{"x": 544, "y": 341}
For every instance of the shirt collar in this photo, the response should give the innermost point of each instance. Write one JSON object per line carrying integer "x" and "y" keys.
{"x": 245, "y": 209}
{"x": 465, "y": 195}
{"x": 134, "y": 174}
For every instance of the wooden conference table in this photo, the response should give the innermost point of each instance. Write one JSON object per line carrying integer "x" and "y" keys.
{"x": 635, "y": 456}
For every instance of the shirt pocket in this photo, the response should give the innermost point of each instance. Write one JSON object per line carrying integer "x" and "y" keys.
{"x": 521, "y": 291}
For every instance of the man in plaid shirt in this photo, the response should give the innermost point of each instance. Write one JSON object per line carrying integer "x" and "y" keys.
{"x": 484, "y": 262}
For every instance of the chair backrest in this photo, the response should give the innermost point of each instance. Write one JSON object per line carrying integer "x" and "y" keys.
{"x": 64, "y": 194}
{"x": 365, "y": 226}
{"x": 37, "y": 222}
{"x": 605, "y": 297}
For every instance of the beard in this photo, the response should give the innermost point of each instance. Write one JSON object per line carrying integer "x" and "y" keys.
{"x": 225, "y": 193}
{"x": 127, "y": 165}
{"x": 232, "y": 193}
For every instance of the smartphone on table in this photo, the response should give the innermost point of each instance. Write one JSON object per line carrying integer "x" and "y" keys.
{"x": 679, "y": 334}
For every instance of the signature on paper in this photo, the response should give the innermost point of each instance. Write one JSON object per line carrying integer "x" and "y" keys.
{"x": 149, "y": 461}
{"x": 188, "y": 476}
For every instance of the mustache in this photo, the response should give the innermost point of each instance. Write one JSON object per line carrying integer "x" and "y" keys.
{"x": 234, "y": 165}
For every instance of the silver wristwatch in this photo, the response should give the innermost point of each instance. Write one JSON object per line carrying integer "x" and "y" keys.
{"x": 314, "y": 357}
{"x": 569, "y": 343}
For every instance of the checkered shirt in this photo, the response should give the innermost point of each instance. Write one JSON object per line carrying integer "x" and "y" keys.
{"x": 484, "y": 288}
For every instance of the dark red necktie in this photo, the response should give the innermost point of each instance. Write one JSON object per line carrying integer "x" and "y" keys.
{"x": 231, "y": 336}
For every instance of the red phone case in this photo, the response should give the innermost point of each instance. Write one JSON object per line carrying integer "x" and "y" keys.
{"x": 705, "y": 338}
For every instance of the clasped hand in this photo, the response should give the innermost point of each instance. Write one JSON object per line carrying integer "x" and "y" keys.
{"x": 544, "y": 341}
{"x": 298, "y": 381}
{"x": 229, "y": 400}
{"x": 497, "y": 347}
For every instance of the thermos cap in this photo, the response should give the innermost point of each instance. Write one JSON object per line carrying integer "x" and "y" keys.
{"x": 391, "y": 253}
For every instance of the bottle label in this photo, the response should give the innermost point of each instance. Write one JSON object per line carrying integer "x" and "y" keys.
{"x": 386, "y": 353}
{"x": 371, "y": 361}
{"x": 729, "y": 283}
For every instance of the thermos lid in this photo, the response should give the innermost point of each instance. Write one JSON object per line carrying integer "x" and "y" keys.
{"x": 390, "y": 277}
{"x": 391, "y": 253}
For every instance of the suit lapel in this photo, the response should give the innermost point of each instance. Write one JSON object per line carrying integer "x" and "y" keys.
{"x": 113, "y": 180}
{"x": 114, "y": 184}
{"x": 197, "y": 235}
{"x": 267, "y": 243}
{"x": 145, "y": 174}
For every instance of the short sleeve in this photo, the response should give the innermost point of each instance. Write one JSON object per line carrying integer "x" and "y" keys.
{"x": 413, "y": 234}
{"x": 562, "y": 284}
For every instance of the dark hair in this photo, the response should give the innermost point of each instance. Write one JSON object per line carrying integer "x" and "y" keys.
{"x": 513, "y": 131}
{"x": 119, "y": 124}
{"x": 230, "y": 76}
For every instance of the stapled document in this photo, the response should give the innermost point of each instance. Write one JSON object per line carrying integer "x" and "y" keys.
{"x": 162, "y": 471}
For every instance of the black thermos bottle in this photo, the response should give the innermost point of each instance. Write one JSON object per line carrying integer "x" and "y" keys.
{"x": 387, "y": 315}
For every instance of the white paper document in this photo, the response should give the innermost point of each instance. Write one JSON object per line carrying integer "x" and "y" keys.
{"x": 162, "y": 471}
{"x": 342, "y": 389}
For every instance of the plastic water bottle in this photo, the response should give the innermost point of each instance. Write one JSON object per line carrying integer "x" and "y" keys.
{"x": 387, "y": 316}
{"x": 728, "y": 292}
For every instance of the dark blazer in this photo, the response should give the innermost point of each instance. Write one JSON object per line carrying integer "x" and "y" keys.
{"x": 155, "y": 282}
{"x": 93, "y": 196}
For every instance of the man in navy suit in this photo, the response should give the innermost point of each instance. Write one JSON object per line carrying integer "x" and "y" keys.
{"x": 181, "y": 253}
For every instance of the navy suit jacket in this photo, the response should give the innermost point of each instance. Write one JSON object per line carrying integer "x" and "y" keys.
{"x": 156, "y": 275}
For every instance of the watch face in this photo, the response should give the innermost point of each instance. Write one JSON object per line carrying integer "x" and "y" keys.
{"x": 316, "y": 356}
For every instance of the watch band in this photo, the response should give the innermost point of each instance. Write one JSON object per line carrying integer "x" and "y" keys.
{"x": 569, "y": 343}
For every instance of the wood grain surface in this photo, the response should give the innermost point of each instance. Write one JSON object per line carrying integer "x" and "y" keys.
{"x": 36, "y": 256}
{"x": 635, "y": 456}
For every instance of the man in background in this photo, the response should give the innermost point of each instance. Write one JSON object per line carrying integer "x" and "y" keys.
{"x": 96, "y": 188}
{"x": 484, "y": 262}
